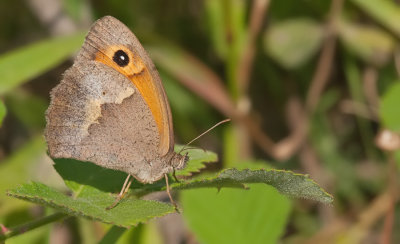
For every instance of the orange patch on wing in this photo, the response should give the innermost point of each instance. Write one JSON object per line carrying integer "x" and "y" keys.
{"x": 137, "y": 72}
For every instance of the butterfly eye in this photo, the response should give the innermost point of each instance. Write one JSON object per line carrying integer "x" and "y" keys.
{"x": 121, "y": 58}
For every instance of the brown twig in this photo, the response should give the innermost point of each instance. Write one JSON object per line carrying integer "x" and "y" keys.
{"x": 349, "y": 233}
{"x": 371, "y": 214}
{"x": 387, "y": 232}
{"x": 258, "y": 135}
{"x": 288, "y": 146}
{"x": 381, "y": 206}
{"x": 258, "y": 10}
{"x": 297, "y": 120}
{"x": 324, "y": 67}
{"x": 206, "y": 84}
{"x": 393, "y": 185}
{"x": 321, "y": 75}
{"x": 358, "y": 109}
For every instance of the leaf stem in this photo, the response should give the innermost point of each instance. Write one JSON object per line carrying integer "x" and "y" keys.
{"x": 18, "y": 230}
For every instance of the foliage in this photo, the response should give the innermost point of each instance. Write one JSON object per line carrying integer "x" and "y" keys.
{"x": 309, "y": 86}
{"x": 265, "y": 225}
{"x": 90, "y": 192}
{"x": 283, "y": 39}
{"x": 92, "y": 203}
{"x": 40, "y": 56}
{"x": 389, "y": 108}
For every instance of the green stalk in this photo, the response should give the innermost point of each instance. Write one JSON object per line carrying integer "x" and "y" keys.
{"x": 234, "y": 16}
{"x": 21, "y": 229}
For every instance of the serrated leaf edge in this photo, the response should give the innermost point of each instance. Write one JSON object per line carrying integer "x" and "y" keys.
{"x": 70, "y": 211}
{"x": 306, "y": 176}
{"x": 243, "y": 184}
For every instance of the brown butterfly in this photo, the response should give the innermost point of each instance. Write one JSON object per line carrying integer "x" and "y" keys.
{"x": 111, "y": 108}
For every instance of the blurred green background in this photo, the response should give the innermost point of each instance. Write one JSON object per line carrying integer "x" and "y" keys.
{"x": 311, "y": 86}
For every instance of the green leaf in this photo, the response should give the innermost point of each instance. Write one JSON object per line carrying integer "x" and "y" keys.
{"x": 197, "y": 160}
{"x": 133, "y": 235}
{"x": 256, "y": 216}
{"x": 92, "y": 203}
{"x": 18, "y": 168}
{"x": 286, "y": 182}
{"x": 385, "y": 12}
{"x": 28, "y": 108}
{"x": 21, "y": 65}
{"x": 369, "y": 43}
{"x": 90, "y": 184}
{"x": 76, "y": 173}
{"x": 293, "y": 42}
{"x": 3, "y": 112}
{"x": 389, "y": 107}
{"x": 113, "y": 234}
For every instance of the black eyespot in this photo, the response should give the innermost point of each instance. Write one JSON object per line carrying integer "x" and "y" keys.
{"x": 121, "y": 58}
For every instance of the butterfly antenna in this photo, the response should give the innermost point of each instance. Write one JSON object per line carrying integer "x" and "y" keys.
{"x": 188, "y": 148}
{"x": 205, "y": 132}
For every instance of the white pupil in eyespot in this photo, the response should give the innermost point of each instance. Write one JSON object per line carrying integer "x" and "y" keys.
{"x": 122, "y": 57}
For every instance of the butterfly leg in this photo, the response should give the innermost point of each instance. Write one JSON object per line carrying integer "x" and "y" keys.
{"x": 169, "y": 194}
{"x": 124, "y": 190}
{"x": 174, "y": 175}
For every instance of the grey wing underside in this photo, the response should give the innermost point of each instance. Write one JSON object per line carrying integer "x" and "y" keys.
{"x": 97, "y": 115}
{"x": 110, "y": 31}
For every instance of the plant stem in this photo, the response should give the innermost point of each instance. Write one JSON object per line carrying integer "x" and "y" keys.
{"x": 18, "y": 230}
